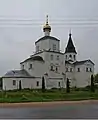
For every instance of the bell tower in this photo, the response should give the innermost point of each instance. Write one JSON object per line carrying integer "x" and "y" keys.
{"x": 70, "y": 51}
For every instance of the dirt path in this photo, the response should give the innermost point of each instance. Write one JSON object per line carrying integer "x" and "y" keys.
{"x": 39, "y": 104}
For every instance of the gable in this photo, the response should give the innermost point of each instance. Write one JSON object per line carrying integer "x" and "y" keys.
{"x": 89, "y": 63}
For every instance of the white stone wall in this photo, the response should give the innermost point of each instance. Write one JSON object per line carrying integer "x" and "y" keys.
{"x": 55, "y": 63}
{"x": 82, "y": 78}
{"x": 48, "y": 44}
{"x": 32, "y": 83}
{"x": 37, "y": 69}
{"x": 8, "y": 83}
{"x": 54, "y": 42}
{"x": 43, "y": 45}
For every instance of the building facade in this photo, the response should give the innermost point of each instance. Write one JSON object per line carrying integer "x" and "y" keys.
{"x": 50, "y": 63}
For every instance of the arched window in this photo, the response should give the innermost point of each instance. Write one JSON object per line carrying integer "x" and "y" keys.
{"x": 74, "y": 57}
{"x": 56, "y": 69}
{"x": 51, "y": 68}
{"x": 51, "y": 57}
{"x": 90, "y": 69}
{"x": 66, "y": 69}
{"x": 71, "y": 69}
{"x": 70, "y": 56}
{"x": 57, "y": 57}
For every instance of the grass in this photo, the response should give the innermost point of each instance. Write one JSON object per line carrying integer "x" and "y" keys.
{"x": 49, "y": 95}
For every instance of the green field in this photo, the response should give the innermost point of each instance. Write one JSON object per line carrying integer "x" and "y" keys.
{"x": 49, "y": 95}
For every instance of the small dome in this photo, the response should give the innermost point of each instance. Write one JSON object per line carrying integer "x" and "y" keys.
{"x": 47, "y": 26}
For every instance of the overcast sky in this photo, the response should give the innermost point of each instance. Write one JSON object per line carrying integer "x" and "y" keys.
{"x": 17, "y": 39}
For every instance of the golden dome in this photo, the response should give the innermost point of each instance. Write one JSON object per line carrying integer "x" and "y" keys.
{"x": 47, "y": 26}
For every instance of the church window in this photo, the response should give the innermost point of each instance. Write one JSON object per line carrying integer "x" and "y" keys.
{"x": 37, "y": 83}
{"x": 22, "y": 66}
{"x": 54, "y": 47}
{"x": 57, "y": 57}
{"x": 74, "y": 57}
{"x": 86, "y": 69}
{"x": 56, "y": 69}
{"x": 70, "y": 69}
{"x": 66, "y": 56}
{"x": 51, "y": 57}
{"x": 14, "y": 82}
{"x": 51, "y": 68}
{"x": 70, "y": 56}
{"x": 78, "y": 69}
{"x": 30, "y": 66}
{"x": 90, "y": 69}
{"x": 66, "y": 69}
{"x": 59, "y": 84}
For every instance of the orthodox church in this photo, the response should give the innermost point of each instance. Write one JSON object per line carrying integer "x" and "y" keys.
{"x": 50, "y": 63}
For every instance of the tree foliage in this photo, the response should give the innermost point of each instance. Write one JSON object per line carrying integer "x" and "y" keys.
{"x": 92, "y": 84}
{"x": 43, "y": 84}
{"x": 1, "y": 83}
{"x": 68, "y": 86}
{"x": 20, "y": 86}
{"x": 96, "y": 78}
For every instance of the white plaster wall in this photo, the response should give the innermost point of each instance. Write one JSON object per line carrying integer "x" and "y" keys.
{"x": 37, "y": 69}
{"x": 26, "y": 83}
{"x": 54, "y": 83}
{"x": 48, "y": 44}
{"x": 8, "y": 83}
{"x": 31, "y": 83}
{"x": 43, "y": 44}
{"x": 70, "y": 75}
{"x": 83, "y": 78}
{"x": 57, "y": 43}
{"x": 55, "y": 62}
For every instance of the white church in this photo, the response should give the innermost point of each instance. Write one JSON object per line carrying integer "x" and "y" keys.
{"x": 50, "y": 63}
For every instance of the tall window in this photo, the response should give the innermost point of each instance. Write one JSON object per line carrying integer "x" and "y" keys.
{"x": 66, "y": 56}
{"x": 70, "y": 69}
{"x": 37, "y": 83}
{"x": 57, "y": 57}
{"x": 74, "y": 57}
{"x": 70, "y": 56}
{"x": 66, "y": 69}
{"x": 51, "y": 68}
{"x": 78, "y": 69}
{"x": 56, "y": 69}
{"x": 51, "y": 57}
{"x": 59, "y": 84}
{"x": 14, "y": 82}
{"x": 22, "y": 66}
{"x": 90, "y": 69}
{"x": 30, "y": 67}
{"x": 54, "y": 47}
{"x": 86, "y": 69}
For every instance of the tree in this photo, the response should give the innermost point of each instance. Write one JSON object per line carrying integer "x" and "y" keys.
{"x": 67, "y": 86}
{"x": 1, "y": 83}
{"x": 92, "y": 84}
{"x": 96, "y": 78}
{"x": 43, "y": 84}
{"x": 20, "y": 86}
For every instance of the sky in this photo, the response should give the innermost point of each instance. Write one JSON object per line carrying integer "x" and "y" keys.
{"x": 21, "y": 23}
